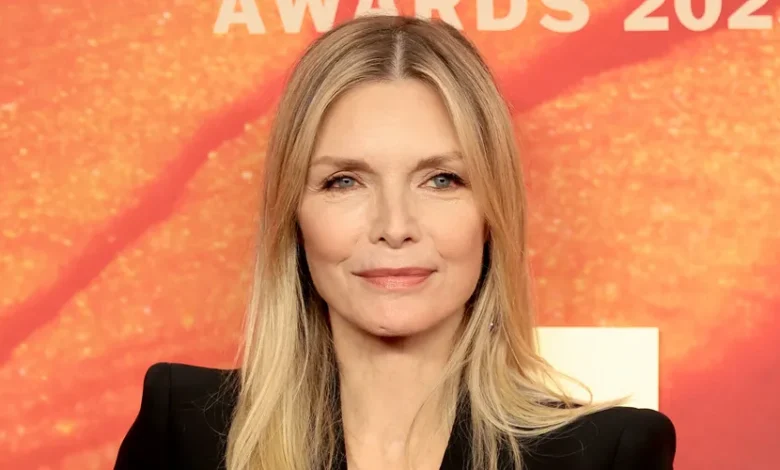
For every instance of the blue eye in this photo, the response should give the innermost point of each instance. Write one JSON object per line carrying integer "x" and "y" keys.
{"x": 446, "y": 180}
{"x": 340, "y": 182}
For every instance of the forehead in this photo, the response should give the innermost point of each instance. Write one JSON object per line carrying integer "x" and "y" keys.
{"x": 397, "y": 120}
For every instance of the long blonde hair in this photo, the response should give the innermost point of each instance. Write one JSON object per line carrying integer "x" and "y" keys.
{"x": 287, "y": 413}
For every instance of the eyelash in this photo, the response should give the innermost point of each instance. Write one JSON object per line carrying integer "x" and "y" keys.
{"x": 328, "y": 184}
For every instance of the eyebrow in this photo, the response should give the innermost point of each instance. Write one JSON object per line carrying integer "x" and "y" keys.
{"x": 356, "y": 164}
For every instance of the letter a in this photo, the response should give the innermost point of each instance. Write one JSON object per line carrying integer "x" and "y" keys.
{"x": 248, "y": 15}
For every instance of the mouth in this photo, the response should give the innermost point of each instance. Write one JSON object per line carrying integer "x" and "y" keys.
{"x": 396, "y": 279}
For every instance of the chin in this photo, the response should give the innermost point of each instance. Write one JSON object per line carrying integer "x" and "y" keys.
{"x": 391, "y": 332}
{"x": 396, "y": 326}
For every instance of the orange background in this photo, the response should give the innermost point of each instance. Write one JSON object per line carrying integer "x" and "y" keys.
{"x": 132, "y": 140}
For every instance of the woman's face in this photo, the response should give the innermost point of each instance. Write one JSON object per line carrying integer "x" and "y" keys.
{"x": 391, "y": 231}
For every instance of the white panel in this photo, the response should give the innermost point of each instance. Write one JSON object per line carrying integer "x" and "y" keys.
{"x": 613, "y": 362}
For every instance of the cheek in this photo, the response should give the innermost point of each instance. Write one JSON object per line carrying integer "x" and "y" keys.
{"x": 329, "y": 233}
{"x": 459, "y": 240}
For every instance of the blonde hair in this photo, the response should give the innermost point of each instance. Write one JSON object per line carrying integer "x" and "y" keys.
{"x": 287, "y": 413}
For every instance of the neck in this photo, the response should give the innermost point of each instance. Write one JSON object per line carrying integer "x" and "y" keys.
{"x": 386, "y": 385}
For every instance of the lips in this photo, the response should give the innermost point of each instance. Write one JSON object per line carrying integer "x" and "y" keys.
{"x": 396, "y": 278}
{"x": 396, "y": 272}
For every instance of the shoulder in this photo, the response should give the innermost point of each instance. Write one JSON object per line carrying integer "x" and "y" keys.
{"x": 180, "y": 404}
{"x": 191, "y": 383}
{"x": 616, "y": 439}
{"x": 647, "y": 439}
{"x": 169, "y": 388}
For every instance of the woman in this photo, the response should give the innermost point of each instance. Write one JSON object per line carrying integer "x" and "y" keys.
{"x": 390, "y": 323}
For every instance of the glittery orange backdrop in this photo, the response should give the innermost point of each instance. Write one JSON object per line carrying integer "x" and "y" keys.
{"x": 131, "y": 139}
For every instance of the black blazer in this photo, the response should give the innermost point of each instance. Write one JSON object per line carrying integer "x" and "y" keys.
{"x": 185, "y": 414}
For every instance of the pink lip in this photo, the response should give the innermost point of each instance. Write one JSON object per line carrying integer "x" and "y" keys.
{"x": 396, "y": 279}
{"x": 395, "y": 272}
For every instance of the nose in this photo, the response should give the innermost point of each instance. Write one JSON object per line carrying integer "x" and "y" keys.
{"x": 395, "y": 219}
